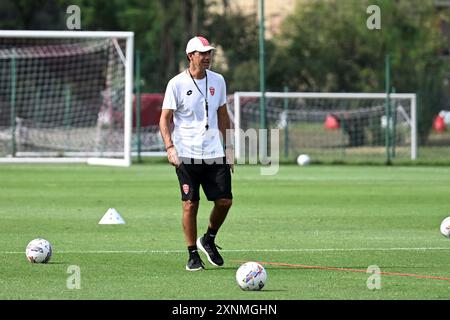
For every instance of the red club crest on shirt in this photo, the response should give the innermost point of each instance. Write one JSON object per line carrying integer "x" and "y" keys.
{"x": 185, "y": 188}
{"x": 212, "y": 90}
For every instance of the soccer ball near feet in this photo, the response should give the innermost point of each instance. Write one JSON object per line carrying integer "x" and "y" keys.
{"x": 39, "y": 251}
{"x": 251, "y": 276}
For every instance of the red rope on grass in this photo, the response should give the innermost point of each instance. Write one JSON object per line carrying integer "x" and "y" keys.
{"x": 348, "y": 270}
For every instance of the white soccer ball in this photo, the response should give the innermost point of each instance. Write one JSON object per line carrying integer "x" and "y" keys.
{"x": 445, "y": 227}
{"x": 39, "y": 251}
{"x": 303, "y": 160}
{"x": 251, "y": 276}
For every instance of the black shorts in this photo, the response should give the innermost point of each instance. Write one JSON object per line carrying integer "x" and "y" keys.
{"x": 213, "y": 176}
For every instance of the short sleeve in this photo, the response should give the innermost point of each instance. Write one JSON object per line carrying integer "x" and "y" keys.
{"x": 170, "y": 97}
{"x": 223, "y": 92}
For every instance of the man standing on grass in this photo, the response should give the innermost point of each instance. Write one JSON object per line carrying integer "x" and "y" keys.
{"x": 198, "y": 147}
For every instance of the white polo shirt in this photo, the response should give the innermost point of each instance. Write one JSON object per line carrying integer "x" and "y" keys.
{"x": 190, "y": 137}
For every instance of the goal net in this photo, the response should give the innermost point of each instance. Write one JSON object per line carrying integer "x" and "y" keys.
{"x": 331, "y": 127}
{"x": 65, "y": 96}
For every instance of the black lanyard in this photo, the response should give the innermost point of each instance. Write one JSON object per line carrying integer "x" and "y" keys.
{"x": 204, "y": 97}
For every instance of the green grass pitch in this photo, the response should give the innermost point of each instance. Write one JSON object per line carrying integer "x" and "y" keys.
{"x": 316, "y": 229}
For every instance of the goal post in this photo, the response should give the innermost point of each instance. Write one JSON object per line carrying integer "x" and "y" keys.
{"x": 331, "y": 127}
{"x": 66, "y": 96}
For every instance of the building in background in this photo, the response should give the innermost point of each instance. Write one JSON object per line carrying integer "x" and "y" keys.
{"x": 274, "y": 11}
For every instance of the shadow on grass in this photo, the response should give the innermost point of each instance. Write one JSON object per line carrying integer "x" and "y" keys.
{"x": 58, "y": 262}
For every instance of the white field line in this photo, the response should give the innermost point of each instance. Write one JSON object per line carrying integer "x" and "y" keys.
{"x": 240, "y": 250}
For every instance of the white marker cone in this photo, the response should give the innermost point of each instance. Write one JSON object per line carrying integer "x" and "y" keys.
{"x": 111, "y": 217}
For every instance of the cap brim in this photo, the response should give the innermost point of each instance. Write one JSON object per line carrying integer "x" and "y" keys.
{"x": 206, "y": 49}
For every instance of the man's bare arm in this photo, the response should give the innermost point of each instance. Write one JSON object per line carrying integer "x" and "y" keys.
{"x": 224, "y": 125}
{"x": 164, "y": 129}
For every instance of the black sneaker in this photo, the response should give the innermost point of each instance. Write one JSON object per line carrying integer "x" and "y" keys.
{"x": 195, "y": 263}
{"x": 210, "y": 249}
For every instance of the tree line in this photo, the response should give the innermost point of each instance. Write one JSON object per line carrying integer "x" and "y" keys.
{"x": 321, "y": 45}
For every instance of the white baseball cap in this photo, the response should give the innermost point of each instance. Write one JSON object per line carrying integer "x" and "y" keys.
{"x": 198, "y": 44}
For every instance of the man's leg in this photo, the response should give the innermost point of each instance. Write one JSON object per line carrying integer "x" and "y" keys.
{"x": 188, "y": 177}
{"x": 189, "y": 221}
{"x": 219, "y": 213}
{"x": 206, "y": 243}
